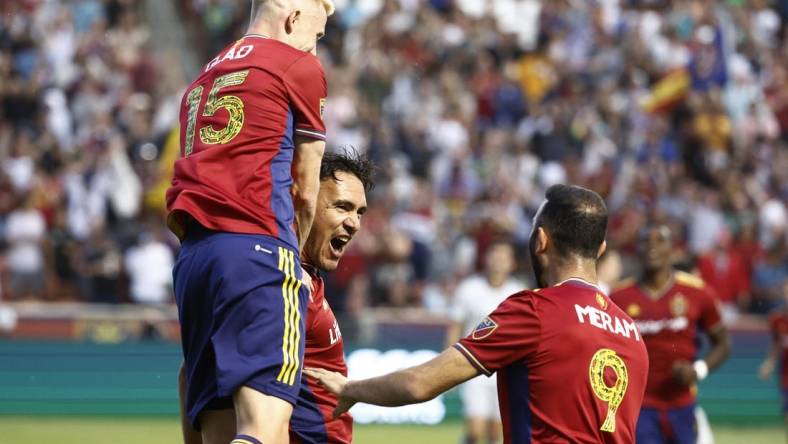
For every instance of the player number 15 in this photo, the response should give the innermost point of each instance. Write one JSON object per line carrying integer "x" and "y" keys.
{"x": 233, "y": 104}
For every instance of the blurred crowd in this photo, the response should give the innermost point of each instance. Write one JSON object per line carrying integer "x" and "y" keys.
{"x": 84, "y": 110}
{"x": 674, "y": 111}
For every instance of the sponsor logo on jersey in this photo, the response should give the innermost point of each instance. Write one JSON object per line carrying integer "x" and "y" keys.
{"x": 654, "y": 326}
{"x": 484, "y": 329}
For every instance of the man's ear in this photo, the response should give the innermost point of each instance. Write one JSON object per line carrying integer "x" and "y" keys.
{"x": 602, "y": 249}
{"x": 541, "y": 241}
{"x": 292, "y": 18}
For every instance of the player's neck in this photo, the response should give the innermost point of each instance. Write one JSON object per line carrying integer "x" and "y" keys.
{"x": 656, "y": 280}
{"x": 266, "y": 29}
{"x": 575, "y": 268}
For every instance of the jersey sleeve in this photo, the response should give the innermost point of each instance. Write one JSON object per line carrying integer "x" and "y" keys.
{"x": 509, "y": 334}
{"x": 306, "y": 85}
{"x": 710, "y": 315}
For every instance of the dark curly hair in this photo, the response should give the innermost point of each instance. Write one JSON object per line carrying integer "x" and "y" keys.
{"x": 348, "y": 161}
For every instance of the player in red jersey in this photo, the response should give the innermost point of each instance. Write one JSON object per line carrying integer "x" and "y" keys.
{"x": 571, "y": 365}
{"x": 242, "y": 201}
{"x": 778, "y": 352}
{"x": 671, "y": 308}
{"x": 342, "y": 201}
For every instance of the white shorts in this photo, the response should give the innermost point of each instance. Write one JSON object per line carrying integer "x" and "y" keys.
{"x": 480, "y": 398}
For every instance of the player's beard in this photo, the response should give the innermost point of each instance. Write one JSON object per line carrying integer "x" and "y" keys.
{"x": 535, "y": 264}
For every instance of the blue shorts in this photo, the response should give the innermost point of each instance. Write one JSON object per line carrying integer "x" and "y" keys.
{"x": 241, "y": 307}
{"x": 667, "y": 426}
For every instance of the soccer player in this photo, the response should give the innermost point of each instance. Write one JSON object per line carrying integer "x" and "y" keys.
{"x": 475, "y": 297}
{"x": 671, "y": 309}
{"x": 778, "y": 352}
{"x": 242, "y": 201}
{"x": 341, "y": 202}
{"x": 571, "y": 365}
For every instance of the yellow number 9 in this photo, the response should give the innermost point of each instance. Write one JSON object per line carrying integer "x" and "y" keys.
{"x": 613, "y": 396}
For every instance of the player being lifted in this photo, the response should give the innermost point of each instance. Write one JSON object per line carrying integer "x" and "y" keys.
{"x": 242, "y": 201}
{"x": 344, "y": 178}
{"x": 671, "y": 308}
{"x": 571, "y": 365}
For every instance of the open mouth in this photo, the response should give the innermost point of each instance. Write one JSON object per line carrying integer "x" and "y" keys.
{"x": 338, "y": 244}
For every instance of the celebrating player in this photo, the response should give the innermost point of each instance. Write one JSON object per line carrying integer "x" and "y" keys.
{"x": 778, "y": 352}
{"x": 242, "y": 201}
{"x": 340, "y": 204}
{"x": 669, "y": 307}
{"x": 571, "y": 365}
{"x": 475, "y": 298}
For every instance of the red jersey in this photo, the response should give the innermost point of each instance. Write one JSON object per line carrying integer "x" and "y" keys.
{"x": 239, "y": 119}
{"x": 669, "y": 325}
{"x": 312, "y": 422}
{"x": 571, "y": 365}
{"x": 778, "y": 323}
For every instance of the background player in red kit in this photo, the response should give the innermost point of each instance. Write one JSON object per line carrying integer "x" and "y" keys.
{"x": 671, "y": 308}
{"x": 344, "y": 179}
{"x": 243, "y": 195}
{"x": 571, "y": 365}
{"x": 778, "y": 351}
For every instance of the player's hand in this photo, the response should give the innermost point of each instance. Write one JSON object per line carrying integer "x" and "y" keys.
{"x": 766, "y": 369}
{"x": 684, "y": 373}
{"x": 335, "y": 383}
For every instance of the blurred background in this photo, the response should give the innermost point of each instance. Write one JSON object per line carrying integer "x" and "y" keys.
{"x": 674, "y": 111}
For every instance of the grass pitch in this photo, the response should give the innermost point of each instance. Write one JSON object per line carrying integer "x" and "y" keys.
{"x": 135, "y": 430}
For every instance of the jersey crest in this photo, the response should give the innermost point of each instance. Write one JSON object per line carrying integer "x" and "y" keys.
{"x": 678, "y": 305}
{"x": 484, "y": 329}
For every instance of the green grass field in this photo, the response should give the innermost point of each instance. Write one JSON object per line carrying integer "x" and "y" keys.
{"x": 81, "y": 430}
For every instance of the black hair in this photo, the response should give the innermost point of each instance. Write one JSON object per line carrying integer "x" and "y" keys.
{"x": 348, "y": 161}
{"x": 576, "y": 220}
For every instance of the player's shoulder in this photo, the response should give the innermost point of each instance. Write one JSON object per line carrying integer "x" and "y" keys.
{"x": 688, "y": 280}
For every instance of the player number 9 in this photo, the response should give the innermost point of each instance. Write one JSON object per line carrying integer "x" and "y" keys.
{"x": 613, "y": 396}
{"x": 233, "y": 104}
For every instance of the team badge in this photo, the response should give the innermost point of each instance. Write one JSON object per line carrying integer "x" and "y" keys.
{"x": 484, "y": 329}
{"x": 601, "y": 301}
{"x": 678, "y": 305}
{"x": 633, "y": 310}
{"x": 322, "y": 107}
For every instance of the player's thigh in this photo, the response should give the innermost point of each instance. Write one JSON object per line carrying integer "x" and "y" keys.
{"x": 649, "y": 430}
{"x": 258, "y": 337}
{"x": 684, "y": 424}
{"x": 262, "y": 416}
{"x": 217, "y": 426}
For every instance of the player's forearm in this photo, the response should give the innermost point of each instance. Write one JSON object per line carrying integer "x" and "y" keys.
{"x": 392, "y": 390}
{"x": 306, "y": 184}
{"x": 720, "y": 349}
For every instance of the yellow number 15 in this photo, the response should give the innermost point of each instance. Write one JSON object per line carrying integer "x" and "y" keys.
{"x": 233, "y": 104}
{"x": 613, "y": 396}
